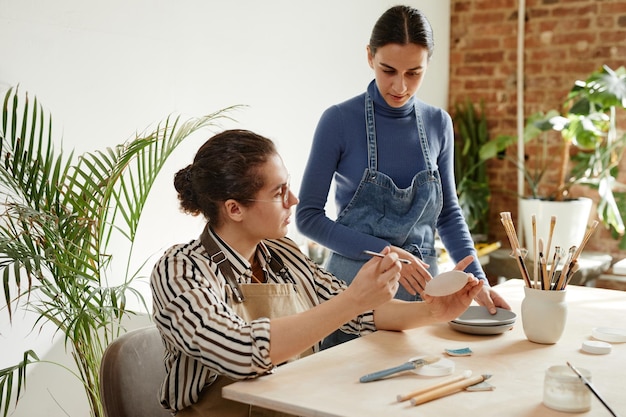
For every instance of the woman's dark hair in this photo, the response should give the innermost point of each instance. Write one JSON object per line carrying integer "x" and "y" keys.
{"x": 402, "y": 25}
{"x": 225, "y": 167}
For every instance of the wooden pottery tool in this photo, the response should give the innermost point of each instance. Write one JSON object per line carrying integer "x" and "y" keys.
{"x": 441, "y": 391}
{"x": 411, "y": 365}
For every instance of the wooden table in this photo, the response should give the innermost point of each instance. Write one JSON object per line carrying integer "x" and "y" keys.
{"x": 327, "y": 383}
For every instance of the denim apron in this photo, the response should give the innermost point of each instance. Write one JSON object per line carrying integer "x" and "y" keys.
{"x": 405, "y": 218}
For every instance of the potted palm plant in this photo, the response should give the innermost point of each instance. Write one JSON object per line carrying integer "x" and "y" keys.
{"x": 587, "y": 121}
{"x": 58, "y": 218}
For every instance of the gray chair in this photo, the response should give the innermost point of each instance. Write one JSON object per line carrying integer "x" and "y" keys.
{"x": 131, "y": 373}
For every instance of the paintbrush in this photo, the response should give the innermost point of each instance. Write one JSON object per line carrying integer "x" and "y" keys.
{"x": 545, "y": 278}
{"x": 555, "y": 264}
{"x": 507, "y": 222}
{"x": 516, "y": 251}
{"x": 571, "y": 264}
{"x": 535, "y": 258}
{"x": 592, "y": 389}
{"x": 380, "y": 255}
{"x": 560, "y": 284}
{"x": 541, "y": 269}
{"x": 550, "y": 233}
{"x": 572, "y": 270}
{"x": 522, "y": 267}
{"x": 588, "y": 234}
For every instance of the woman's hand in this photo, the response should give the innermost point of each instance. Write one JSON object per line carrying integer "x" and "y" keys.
{"x": 415, "y": 275}
{"x": 491, "y": 299}
{"x": 377, "y": 281}
{"x": 451, "y": 306}
{"x": 464, "y": 263}
{"x": 486, "y": 297}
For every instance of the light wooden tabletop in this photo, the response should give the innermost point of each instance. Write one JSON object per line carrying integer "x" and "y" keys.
{"x": 327, "y": 383}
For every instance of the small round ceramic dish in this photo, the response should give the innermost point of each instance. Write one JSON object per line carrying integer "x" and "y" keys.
{"x": 480, "y": 316}
{"x": 446, "y": 283}
{"x": 596, "y": 347}
{"x": 440, "y": 368}
{"x": 609, "y": 334}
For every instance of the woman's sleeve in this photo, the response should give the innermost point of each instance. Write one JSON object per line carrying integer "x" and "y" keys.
{"x": 329, "y": 143}
{"x": 197, "y": 322}
{"x": 328, "y": 286}
{"x": 451, "y": 224}
{"x": 318, "y": 284}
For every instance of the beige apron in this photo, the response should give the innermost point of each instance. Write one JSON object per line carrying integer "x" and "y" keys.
{"x": 259, "y": 300}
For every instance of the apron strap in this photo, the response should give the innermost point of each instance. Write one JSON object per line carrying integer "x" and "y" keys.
{"x": 279, "y": 268}
{"x": 370, "y": 128}
{"x": 219, "y": 257}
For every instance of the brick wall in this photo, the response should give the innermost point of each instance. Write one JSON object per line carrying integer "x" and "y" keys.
{"x": 565, "y": 40}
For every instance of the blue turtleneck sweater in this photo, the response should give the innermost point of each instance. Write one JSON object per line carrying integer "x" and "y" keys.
{"x": 339, "y": 152}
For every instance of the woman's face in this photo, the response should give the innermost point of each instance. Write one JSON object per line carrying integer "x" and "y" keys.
{"x": 399, "y": 71}
{"x": 270, "y": 214}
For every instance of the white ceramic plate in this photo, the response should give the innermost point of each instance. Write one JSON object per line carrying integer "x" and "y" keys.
{"x": 480, "y": 316}
{"x": 446, "y": 283}
{"x": 464, "y": 328}
{"x": 609, "y": 334}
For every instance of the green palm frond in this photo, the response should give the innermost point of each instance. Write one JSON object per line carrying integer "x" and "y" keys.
{"x": 57, "y": 219}
{"x": 7, "y": 377}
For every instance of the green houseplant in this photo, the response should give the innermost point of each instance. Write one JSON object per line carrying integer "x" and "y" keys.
{"x": 58, "y": 218}
{"x": 587, "y": 121}
{"x": 471, "y": 133}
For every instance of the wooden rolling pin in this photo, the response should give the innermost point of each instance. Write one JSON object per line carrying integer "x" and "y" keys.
{"x": 464, "y": 375}
{"x": 448, "y": 389}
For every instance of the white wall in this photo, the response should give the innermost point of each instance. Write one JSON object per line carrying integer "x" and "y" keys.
{"x": 105, "y": 70}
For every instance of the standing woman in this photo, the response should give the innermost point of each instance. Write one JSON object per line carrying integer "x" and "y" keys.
{"x": 241, "y": 299}
{"x": 391, "y": 156}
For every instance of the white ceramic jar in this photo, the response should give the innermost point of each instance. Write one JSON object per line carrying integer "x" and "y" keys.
{"x": 544, "y": 314}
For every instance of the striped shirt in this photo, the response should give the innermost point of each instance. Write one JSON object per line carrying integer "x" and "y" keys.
{"x": 202, "y": 335}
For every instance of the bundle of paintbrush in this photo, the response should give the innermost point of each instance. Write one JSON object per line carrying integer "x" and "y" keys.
{"x": 546, "y": 275}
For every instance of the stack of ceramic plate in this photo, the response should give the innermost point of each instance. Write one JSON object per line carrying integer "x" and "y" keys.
{"x": 478, "y": 320}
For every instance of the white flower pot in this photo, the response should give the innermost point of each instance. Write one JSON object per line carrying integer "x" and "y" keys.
{"x": 572, "y": 218}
